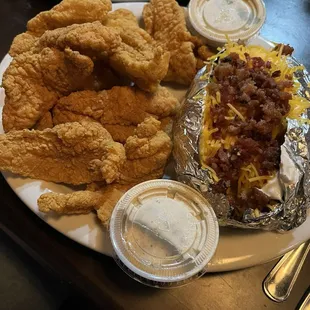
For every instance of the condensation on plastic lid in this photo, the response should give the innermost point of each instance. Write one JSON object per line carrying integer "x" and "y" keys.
{"x": 238, "y": 19}
{"x": 163, "y": 231}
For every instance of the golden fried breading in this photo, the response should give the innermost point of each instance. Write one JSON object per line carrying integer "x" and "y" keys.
{"x": 46, "y": 121}
{"x": 111, "y": 195}
{"x": 102, "y": 201}
{"x": 34, "y": 82}
{"x": 72, "y": 153}
{"x": 64, "y": 14}
{"x": 62, "y": 116}
{"x": 119, "y": 133}
{"x": 137, "y": 56}
{"x": 165, "y": 21}
{"x": 203, "y": 53}
{"x": 22, "y": 43}
{"x": 120, "y": 105}
{"x": 27, "y": 98}
{"x": 91, "y": 39}
{"x": 147, "y": 141}
{"x": 69, "y": 12}
{"x": 147, "y": 153}
{"x": 119, "y": 109}
{"x": 79, "y": 202}
{"x": 65, "y": 72}
{"x": 104, "y": 77}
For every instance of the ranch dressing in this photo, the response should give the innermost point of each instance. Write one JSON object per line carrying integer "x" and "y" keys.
{"x": 163, "y": 231}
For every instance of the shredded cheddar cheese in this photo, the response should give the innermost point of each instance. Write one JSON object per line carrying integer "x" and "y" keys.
{"x": 254, "y": 169}
{"x": 260, "y": 178}
{"x": 212, "y": 172}
{"x": 298, "y": 106}
{"x": 249, "y": 175}
{"x": 228, "y": 142}
{"x": 278, "y": 62}
{"x": 229, "y": 118}
{"x": 236, "y": 111}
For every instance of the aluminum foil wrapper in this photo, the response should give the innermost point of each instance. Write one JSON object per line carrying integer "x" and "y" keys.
{"x": 291, "y": 186}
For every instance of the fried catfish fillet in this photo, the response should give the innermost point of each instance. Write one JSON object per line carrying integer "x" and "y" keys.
{"x": 138, "y": 56}
{"x": 147, "y": 153}
{"x": 64, "y": 14}
{"x": 103, "y": 201}
{"x": 165, "y": 21}
{"x": 65, "y": 72}
{"x": 69, "y": 12}
{"x": 24, "y": 76}
{"x": 79, "y": 202}
{"x": 22, "y": 43}
{"x": 91, "y": 39}
{"x": 72, "y": 153}
{"x": 119, "y": 109}
{"x": 46, "y": 121}
{"x": 34, "y": 82}
{"x": 129, "y": 49}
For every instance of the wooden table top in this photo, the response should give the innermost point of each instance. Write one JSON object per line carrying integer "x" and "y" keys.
{"x": 97, "y": 276}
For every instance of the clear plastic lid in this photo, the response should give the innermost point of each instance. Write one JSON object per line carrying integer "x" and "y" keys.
{"x": 163, "y": 233}
{"x": 238, "y": 19}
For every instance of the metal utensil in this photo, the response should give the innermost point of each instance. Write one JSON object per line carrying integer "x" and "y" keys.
{"x": 281, "y": 279}
{"x": 305, "y": 303}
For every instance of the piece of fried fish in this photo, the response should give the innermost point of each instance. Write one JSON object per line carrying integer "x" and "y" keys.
{"x": 165, "y": 21}
{"x": 119, "y": 109}
{"x": 66, "y": 13}
{"x": 147, "y": 153}
{"x": 71, "y": 153}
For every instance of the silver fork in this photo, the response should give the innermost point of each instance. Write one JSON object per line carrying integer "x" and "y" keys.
{"x": 305, "y": 303}
{"x": 281, "y": 279}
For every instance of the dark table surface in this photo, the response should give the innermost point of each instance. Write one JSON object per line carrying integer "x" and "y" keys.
{"x": 97, "y": 277}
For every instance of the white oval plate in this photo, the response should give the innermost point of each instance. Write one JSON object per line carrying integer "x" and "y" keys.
{"x": 237, "y": 248}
